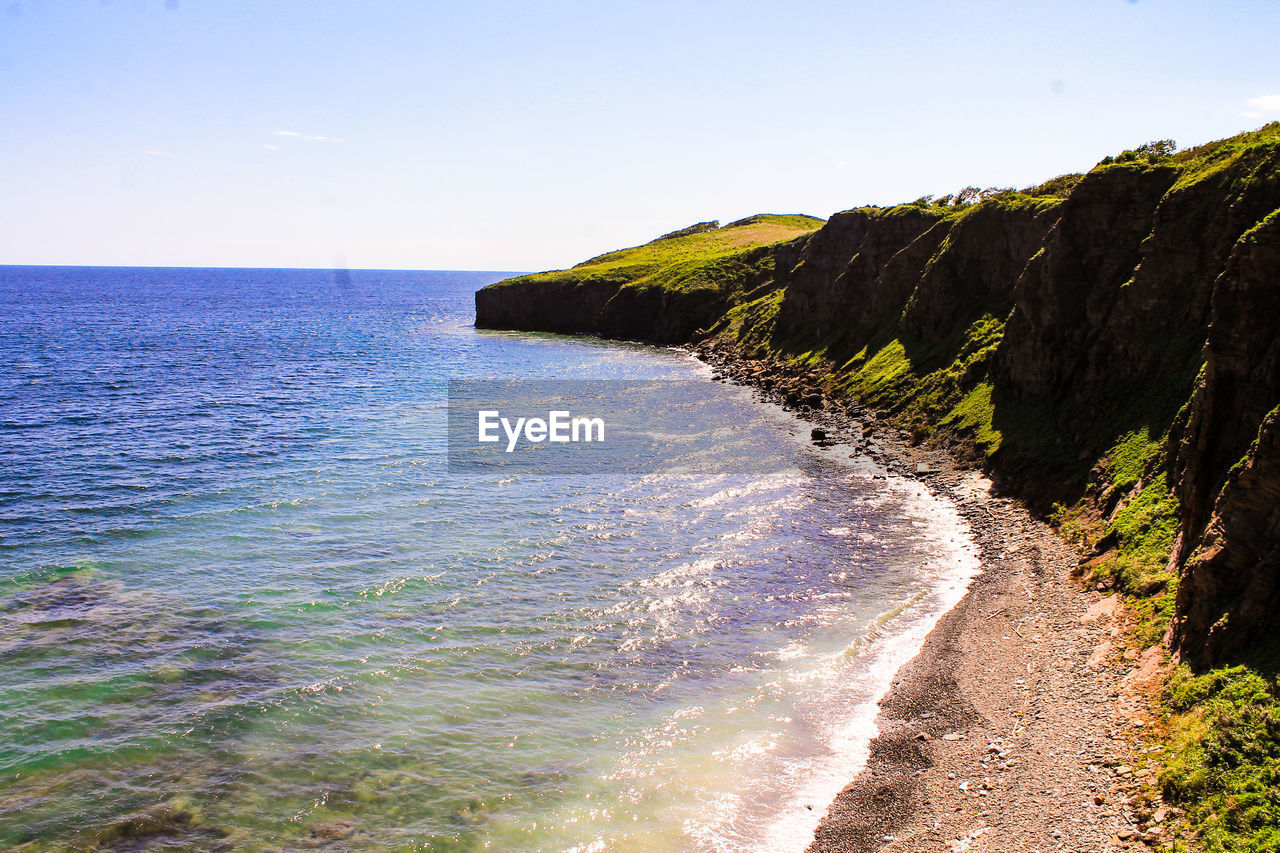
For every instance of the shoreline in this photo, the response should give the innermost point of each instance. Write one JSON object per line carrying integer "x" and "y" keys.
{"x": 1018, "y": 723}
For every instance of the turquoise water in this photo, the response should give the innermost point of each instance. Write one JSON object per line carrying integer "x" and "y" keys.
{"x": 245, "y": 606}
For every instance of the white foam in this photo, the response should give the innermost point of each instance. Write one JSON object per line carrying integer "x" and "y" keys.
{"x": 836, "y": 750}
{"x": 953, "y": 569}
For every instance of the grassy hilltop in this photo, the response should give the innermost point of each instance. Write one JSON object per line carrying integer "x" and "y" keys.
{"x": 665, "y": 290}
{"x": 692, "y": 257}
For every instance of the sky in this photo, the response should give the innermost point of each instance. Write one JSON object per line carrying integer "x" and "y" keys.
{"x": 411, "y": 134}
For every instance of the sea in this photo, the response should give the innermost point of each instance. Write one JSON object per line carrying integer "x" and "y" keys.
{"x": 247, "y": 604}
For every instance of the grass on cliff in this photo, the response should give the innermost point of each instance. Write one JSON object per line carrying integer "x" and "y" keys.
{"x": 1144, "y": 530}
{"x": 1206, "y": 160}
{"x": 1223, "y": 756}
{"x": 699, "y": 256}
{"x": 920, "y": 381}
{"x": 1040, "y": 196}
{"x": 941, "y": 390}
{"x": 750, "y": 325}
{"x": 1222, "y": 760}
{"x": 1129, "y": 516}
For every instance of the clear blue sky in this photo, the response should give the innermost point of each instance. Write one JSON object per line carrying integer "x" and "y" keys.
{"x": 528, "y": 135}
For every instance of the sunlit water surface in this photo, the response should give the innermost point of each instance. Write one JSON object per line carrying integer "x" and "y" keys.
{"x": 245, "y": 606}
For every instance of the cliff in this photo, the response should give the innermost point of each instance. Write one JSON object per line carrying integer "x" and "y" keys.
{"x": 1105, "y": 345}
{"x": 666, "y": 291}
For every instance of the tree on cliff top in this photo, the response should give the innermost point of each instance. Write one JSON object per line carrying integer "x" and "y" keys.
{"x": 1148, "y": 152}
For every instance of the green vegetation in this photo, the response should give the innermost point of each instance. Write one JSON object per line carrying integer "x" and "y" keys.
{"x": 1059, "y": 187}
{"x": 1223, "y": 759}
{"x": 697, "y": 228}
{"x": 1222, "y": 753}
{"x": 1223, "y": 756}
{"x": 973, "y": 416}
{"x": 1265, "y": 135}
{"x": 1129, "y": 458}
{"x": 1251, "y": 236}
{"x": 1247, "y": 153}
{"x": 1137, "y": 538}
{"x": 1144, "y": 530}
{"x": 1156, "y": 151}
{"x": 750, "y": 325}
{"x": 1043, "y": 195}
{"x": 699, "y": 256}
{"x": 666, "y": 290}
{"x": 897, "y": 378}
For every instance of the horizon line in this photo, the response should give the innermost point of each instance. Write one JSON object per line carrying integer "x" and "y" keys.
{"x": 206, "y": 267}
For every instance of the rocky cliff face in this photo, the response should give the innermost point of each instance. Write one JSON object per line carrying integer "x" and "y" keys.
{"x": 1067, "y": 293}
{"x": 568, "y": 307}
{"x": 1108, "y": 342}
{"x": 975, "y": 269}
{"x": 1229, "y": 462}
{"x": 834, "y": 285}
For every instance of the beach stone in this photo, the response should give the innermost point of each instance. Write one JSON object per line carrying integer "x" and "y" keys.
{"x": 336, "y": 829}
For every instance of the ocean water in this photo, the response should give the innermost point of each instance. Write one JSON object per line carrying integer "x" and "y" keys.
{"x": 244, "y": 604}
